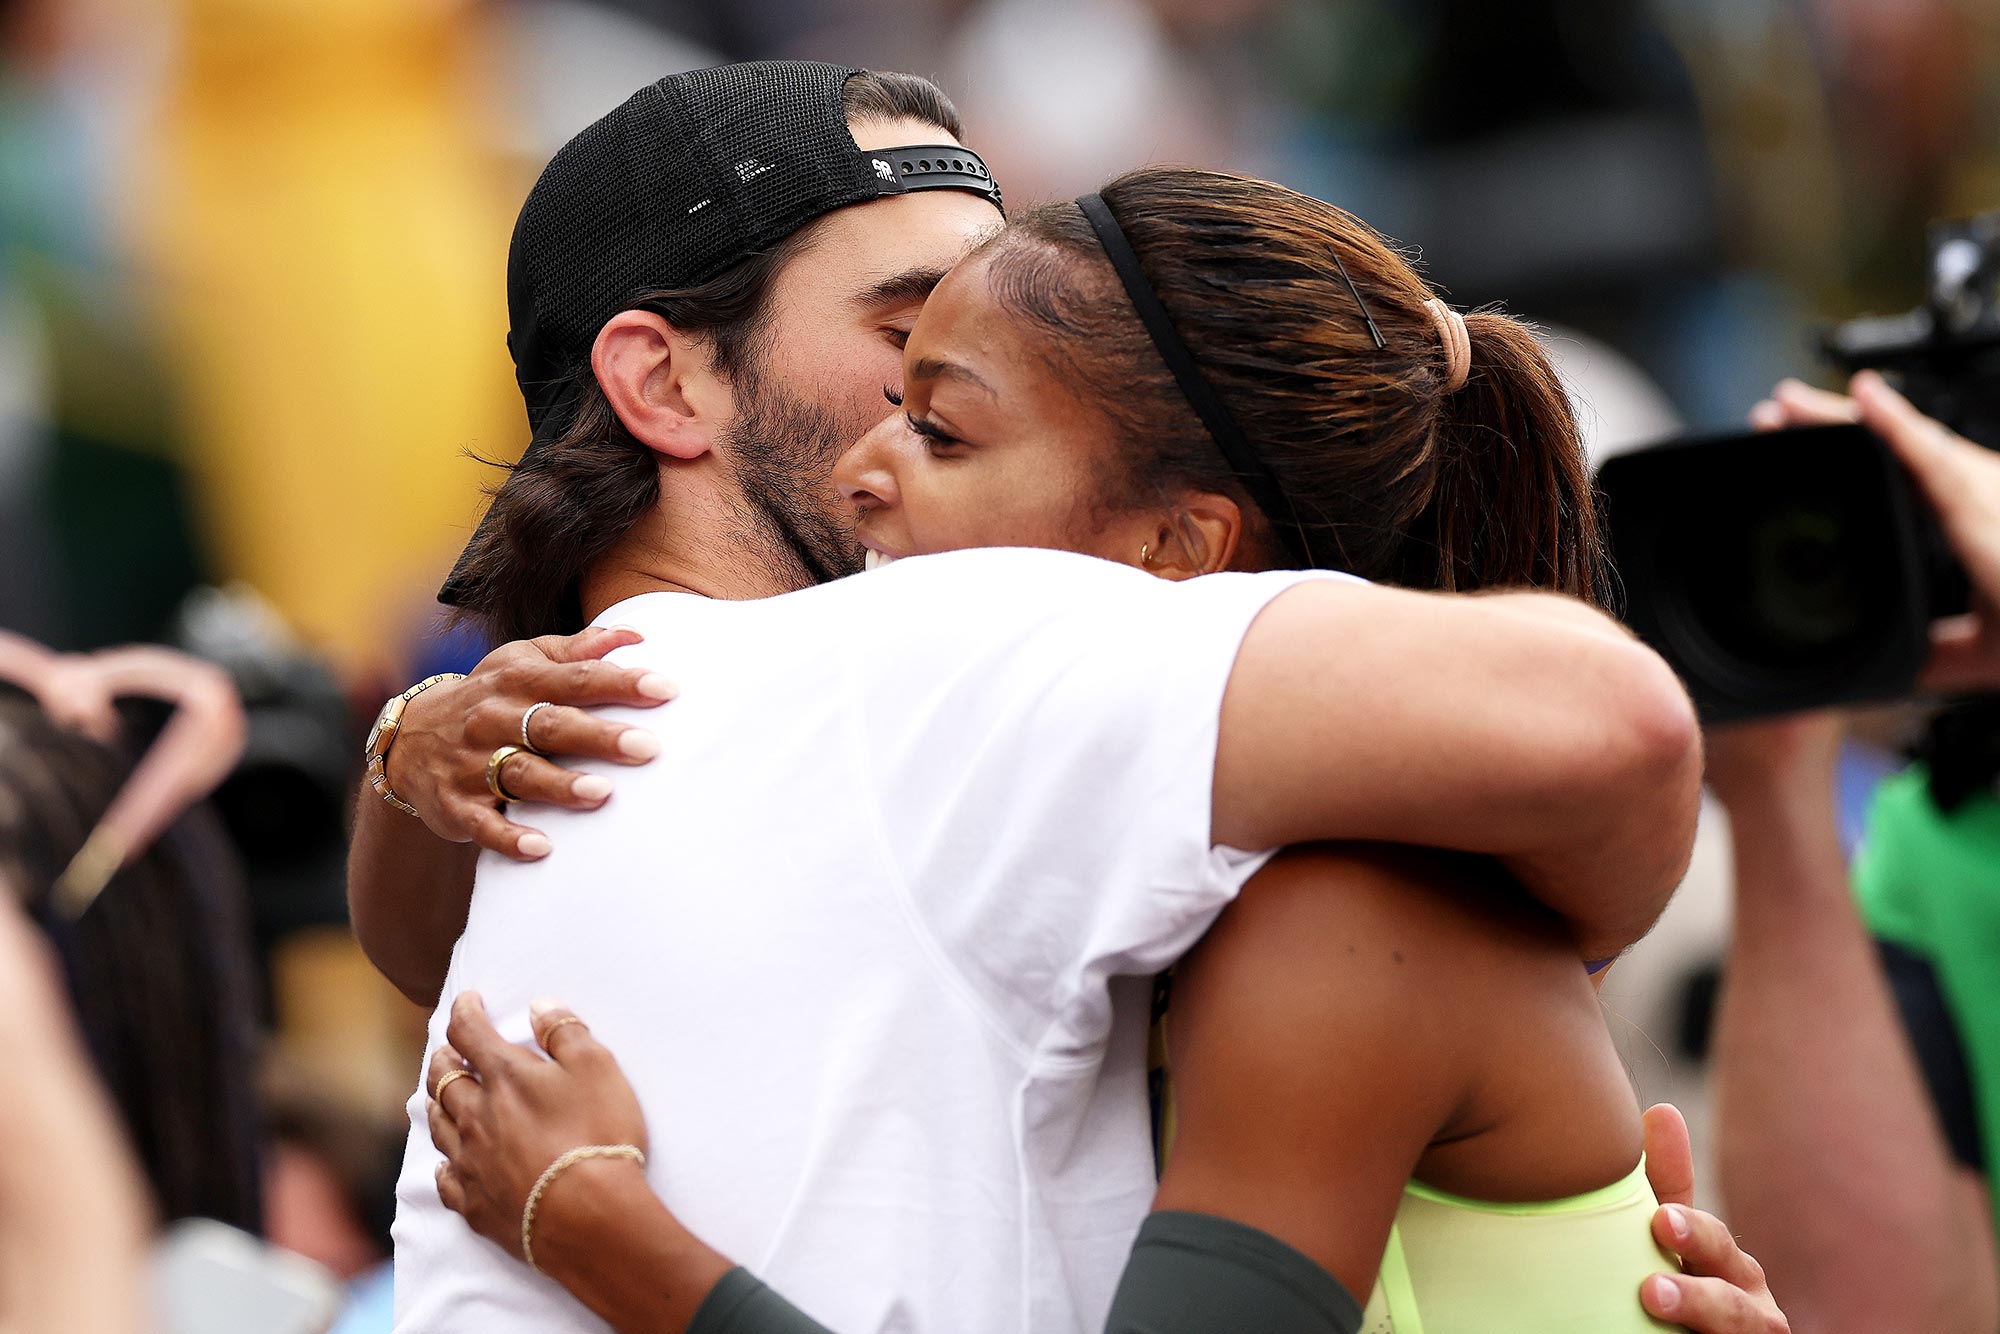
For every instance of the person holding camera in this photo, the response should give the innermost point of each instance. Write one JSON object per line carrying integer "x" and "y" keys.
{"x": 1853, "y": 1043}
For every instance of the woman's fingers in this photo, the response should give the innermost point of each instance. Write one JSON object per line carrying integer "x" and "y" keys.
{"x": 1669, "y": 1155}
{"x": 444, "y": 1130}
{"x": 1706, "y": 1247}
{"x": 562, "y": 1034}
{"x": 1711, "y": 1306}
{"x": 530, "y": 678}
{"x": 450, "y": 1189}
{"x": 594, "y": 642}
{"x": 561, "y": 729}
{"x": 531, "y": 778}
{"x": 473, "y": 1036}
{"x": 496, "y": 833}
{"x": 450, "y": 1076}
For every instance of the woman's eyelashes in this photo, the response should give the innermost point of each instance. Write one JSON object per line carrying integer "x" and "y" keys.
{"x": 939, "y": 439}
{"x": 935, "y": 436}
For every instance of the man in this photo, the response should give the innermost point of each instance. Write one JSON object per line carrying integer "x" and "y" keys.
{"x": 1058, "y": 845}
{"x": 1826, "y": 1039}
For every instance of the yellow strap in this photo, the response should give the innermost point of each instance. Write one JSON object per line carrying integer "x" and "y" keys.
{"x": 1399, "y": 1294}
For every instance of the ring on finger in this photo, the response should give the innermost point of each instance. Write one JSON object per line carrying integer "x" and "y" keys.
{"x": 493, "y": 766}
{"x": 527, "y": 744}
{"x": 444, "y": 1082}
{"x": 550, "y": 1032}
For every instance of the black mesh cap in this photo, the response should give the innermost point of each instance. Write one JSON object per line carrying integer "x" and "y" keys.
{"x": 685, "y": 178}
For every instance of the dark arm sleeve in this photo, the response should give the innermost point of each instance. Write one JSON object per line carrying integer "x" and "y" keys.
{"x": 741, "y": 1304}
{"x": 1188, "y": 1274}
{"x": 1199, "y": 1274}
{"x": 1927, "y": 1018}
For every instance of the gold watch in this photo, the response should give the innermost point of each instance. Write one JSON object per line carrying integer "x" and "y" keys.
{"x": 383, "y": 735}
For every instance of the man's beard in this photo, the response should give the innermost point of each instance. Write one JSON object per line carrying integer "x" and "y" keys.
{"x": 784, "y": 450}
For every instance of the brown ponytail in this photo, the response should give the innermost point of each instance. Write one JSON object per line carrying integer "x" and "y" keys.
{"x": 1512, "y": 502}
{"x": 1392, "y": 477}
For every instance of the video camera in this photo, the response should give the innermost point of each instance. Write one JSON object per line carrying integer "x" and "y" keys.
{"x": 1797, "y": 569}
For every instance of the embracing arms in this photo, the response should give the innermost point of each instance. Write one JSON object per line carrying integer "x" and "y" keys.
{"x": 409, "y": 881}
{"x": 1525, "y": 726}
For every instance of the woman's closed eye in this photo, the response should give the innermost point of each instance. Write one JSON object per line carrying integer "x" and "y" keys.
{"x": 939, "y": 439}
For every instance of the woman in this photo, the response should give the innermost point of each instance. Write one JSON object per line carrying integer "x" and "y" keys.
{"x": 1331, "y": 412}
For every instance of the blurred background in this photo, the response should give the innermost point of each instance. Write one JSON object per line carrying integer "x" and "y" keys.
{"x": 252, "y": 319}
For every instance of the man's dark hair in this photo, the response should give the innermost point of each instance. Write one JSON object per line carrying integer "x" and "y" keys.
{"x": 580, "y": 493}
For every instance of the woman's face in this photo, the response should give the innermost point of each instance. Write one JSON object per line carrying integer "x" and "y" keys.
{"x": 989, "y": 448}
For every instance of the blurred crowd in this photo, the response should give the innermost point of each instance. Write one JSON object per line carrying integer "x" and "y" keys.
{"x": 252, "y": 380}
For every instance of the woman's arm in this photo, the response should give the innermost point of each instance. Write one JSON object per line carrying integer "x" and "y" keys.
{"x": 601, "y": 1232}
{"x": 1330, "y": 1000}
{"x": 599, "y": 1229}
{"x": 409, "y": 880}
{"x": 1521, "y": 725}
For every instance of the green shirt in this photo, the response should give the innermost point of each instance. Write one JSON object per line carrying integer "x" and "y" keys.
{"x": 1930, "y": 882}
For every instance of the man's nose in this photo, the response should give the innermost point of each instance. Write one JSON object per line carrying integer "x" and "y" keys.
{"x": 865, "y": 475}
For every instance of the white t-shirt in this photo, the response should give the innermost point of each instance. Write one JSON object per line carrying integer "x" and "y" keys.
{"x": 872, "y": 937}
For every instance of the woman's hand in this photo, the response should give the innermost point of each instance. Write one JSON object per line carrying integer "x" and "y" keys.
{"x": 437, "y": 762}
{"x": 1720, "y": 1290}
{"x": 500, "y": 1127}
{"x": 599, "y": 1229}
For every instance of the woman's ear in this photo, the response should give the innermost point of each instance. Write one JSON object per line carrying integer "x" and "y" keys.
{"x": 660, "y": 384}
{"x": 1198, "y": 536}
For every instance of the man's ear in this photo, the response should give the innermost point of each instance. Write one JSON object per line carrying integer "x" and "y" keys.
{"x": 661, "y": 384}
{"x": 1199, "y": 535}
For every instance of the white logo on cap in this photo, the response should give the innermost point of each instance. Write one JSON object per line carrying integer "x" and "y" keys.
{"x": 883, "y": 169}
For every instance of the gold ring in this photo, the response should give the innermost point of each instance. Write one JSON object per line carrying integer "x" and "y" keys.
{"x": 526, "y": 744}
{"x": 550, "y": 1031}
{"x": 500, "y": 757}
{"x": 460, "y": 1073}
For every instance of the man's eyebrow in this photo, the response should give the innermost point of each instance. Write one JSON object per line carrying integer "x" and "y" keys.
{"x": 930, "y": 368}
{"x": 908, "y": 288}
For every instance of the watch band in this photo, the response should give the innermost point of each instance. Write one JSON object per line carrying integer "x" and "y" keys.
{"x": 388, "y": 724}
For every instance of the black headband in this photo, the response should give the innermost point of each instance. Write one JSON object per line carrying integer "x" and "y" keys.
{"x": 1250, "y": 467}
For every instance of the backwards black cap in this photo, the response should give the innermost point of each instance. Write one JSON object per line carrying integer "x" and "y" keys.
{"x": 687, "y": 177}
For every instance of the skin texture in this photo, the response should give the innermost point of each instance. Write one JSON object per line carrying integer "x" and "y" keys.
{"x": 1378, "y": 1057}
{"x": 1812, "y": 1065}
{"x": 915, "y": 491}
{"x": 74, "y": 1220}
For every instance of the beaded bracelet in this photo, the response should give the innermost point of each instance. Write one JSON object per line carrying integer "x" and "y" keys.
{"x": 556, "y": 1169}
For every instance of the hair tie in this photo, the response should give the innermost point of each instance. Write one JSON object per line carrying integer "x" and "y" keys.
{"x": 1457, "y": 344}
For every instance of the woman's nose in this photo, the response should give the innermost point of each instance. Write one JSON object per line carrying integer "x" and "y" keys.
{"x": 866, "y": 475}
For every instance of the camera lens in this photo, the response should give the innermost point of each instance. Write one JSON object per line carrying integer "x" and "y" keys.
{"x": 1783, "y": 579}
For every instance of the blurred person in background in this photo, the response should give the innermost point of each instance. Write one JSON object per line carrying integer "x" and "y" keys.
{"x": 330, "y": 1190}
{"x": 75, "y": 1220}
{"x": 1857, "y": 1049}
{"x": 140, "y": 904}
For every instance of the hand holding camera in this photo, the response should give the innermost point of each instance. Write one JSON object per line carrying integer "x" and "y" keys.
{"x": 1961, "y": 483}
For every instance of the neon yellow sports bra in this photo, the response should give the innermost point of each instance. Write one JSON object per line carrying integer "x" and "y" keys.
{"x": 1574, "y": 1266}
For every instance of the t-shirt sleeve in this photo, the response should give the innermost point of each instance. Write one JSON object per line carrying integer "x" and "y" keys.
{"x": 1041, "y": 733}
{"x": 1888, "y": 869}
